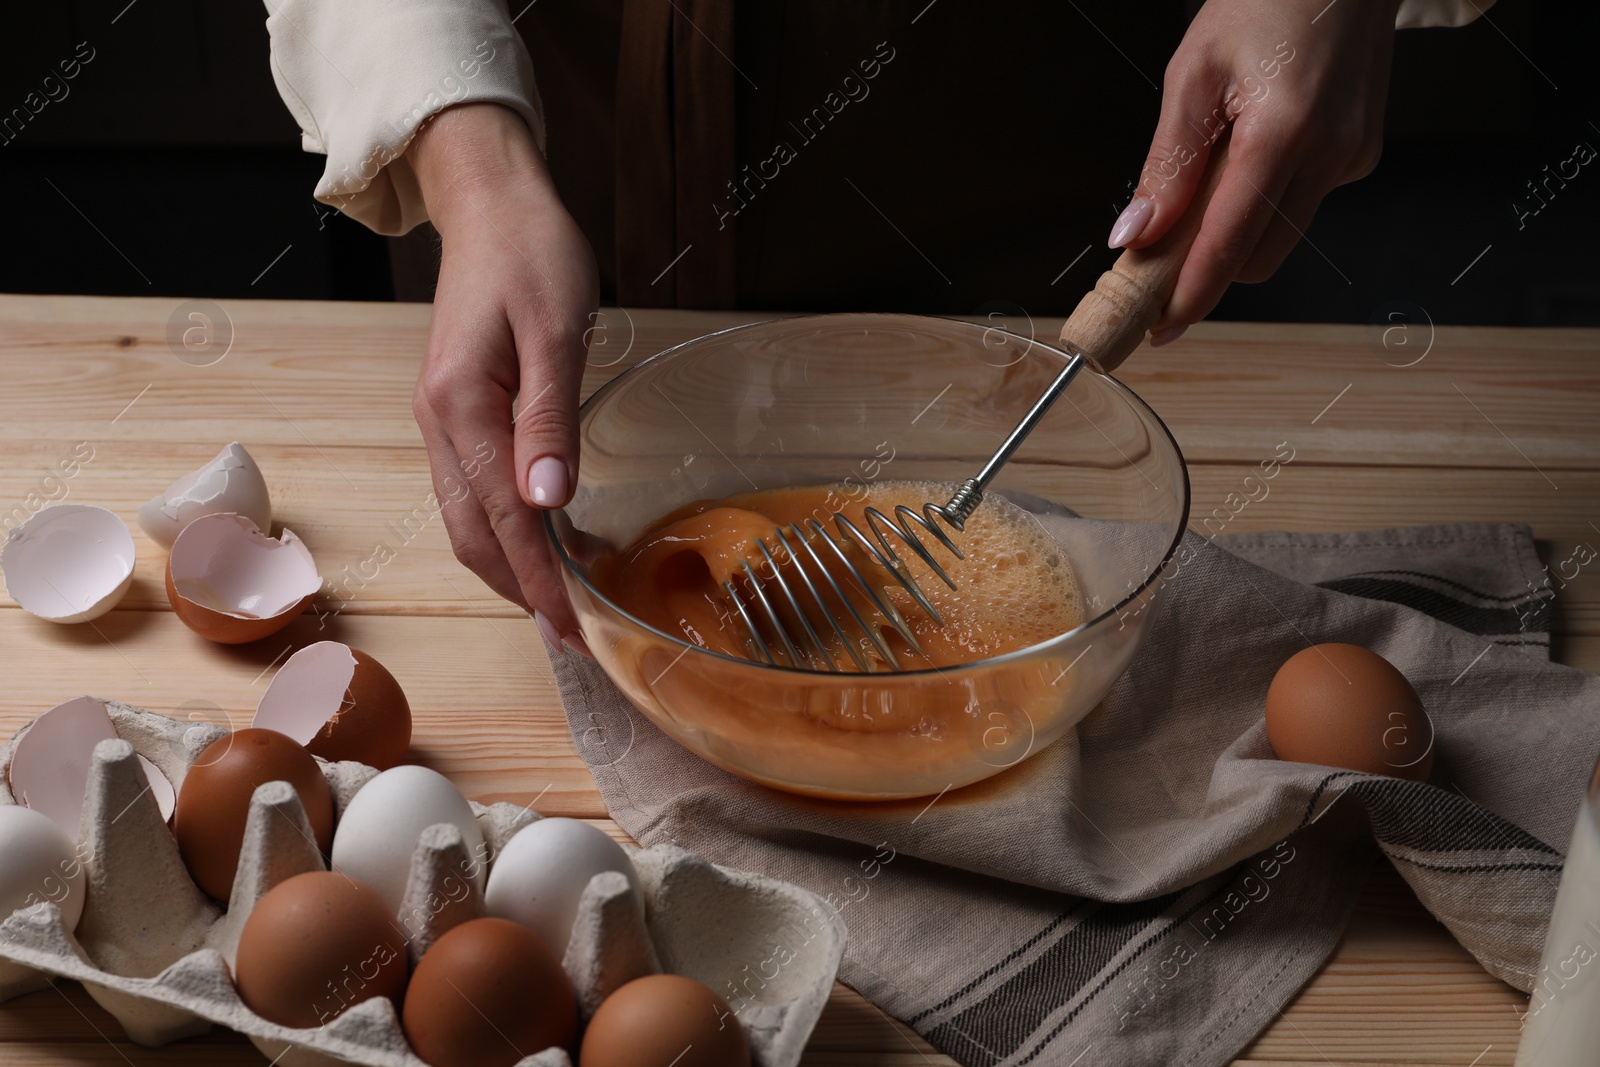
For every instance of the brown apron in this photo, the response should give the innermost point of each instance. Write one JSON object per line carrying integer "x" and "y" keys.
{"x": 950, "y": 157}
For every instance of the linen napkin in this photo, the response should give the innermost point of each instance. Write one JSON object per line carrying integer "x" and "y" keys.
{"x": 1156, "y": 886}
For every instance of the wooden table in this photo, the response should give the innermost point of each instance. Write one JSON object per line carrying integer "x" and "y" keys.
{"x": 1492, "y": 425}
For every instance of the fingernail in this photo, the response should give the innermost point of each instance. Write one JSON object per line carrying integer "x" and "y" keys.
{"x": 551, "y": 637}
{"x": 547, "y": 482}
{"x": 576, "y": 642}
{"x": 1167, "y": 336}
{"x": 1131, "y": 223}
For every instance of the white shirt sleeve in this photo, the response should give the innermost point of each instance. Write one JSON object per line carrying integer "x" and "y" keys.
{"x": 361, "y": 76}
{"x": 1416, "y": 14}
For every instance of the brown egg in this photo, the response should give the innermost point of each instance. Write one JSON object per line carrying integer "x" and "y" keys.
{"x": 662, "y": 1021}
{"x": 215, "y": 801}
{"x": 1345, "y": 706}
{"x": 487, "y": 994}
{"x": 316, "y": 945}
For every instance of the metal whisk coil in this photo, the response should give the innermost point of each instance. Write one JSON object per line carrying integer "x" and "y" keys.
{"x": 815, "y": 566}
{"x": 764, "y": 600}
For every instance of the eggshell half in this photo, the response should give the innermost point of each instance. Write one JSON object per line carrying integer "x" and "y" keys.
{"x": 230, "y": 583}
{"x": 50, "y": 768}
{"x": 341, "y": 704}
{"x": 69, "y": 562}
{"x": 229, "y": 483}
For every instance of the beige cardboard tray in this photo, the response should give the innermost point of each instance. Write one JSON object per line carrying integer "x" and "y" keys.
{"x": 157, "y": 953}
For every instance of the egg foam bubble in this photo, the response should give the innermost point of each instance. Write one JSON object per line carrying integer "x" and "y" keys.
{"x": 1014, "y": 585}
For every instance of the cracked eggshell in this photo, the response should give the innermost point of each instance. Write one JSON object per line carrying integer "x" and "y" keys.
{"x": 229, "y": 483}
{"x": 49, "y": 769}
{"x": 69, "y": 562}
{"x": 232, "y": 584}
{"x": 341, "y": 704}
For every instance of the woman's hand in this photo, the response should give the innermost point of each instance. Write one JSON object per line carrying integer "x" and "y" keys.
{"x": 517, "y": 287}
{"x": 1303, "y": 84}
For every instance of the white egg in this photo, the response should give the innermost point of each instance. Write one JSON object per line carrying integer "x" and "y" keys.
{"x": 229, "y": 483}
{"x": 378, "y": 832}
{"x": 38, "y": 864}
{"x": 539, "y": 877}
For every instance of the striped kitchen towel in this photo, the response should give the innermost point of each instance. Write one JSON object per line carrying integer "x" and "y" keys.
{"x": 1156, "y": 886}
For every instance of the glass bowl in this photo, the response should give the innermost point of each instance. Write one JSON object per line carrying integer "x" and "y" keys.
{"x": 849, "y": 400}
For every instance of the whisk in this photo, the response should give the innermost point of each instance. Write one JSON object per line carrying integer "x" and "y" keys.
{"x": 1109, "y": 323}
{"x": 819, "y": 560}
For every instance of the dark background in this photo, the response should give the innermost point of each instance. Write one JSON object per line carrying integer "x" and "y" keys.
{"x": 174, "y": 147}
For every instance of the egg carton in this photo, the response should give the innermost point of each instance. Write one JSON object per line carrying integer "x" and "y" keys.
{"x": 157, "y": 953}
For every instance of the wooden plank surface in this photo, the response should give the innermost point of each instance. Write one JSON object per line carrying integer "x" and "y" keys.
{"x": 1492, "y": 425}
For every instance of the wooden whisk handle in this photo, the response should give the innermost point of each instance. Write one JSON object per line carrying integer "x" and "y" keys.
{"x": 1112, "y": 318}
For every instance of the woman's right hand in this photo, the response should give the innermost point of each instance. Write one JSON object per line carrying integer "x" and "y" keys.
{"x": 517, "y": 291}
